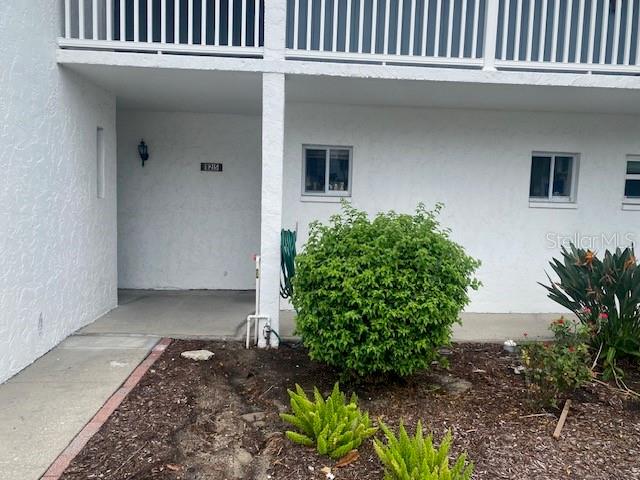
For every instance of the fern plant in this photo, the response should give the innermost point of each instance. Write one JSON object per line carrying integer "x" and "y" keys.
{"x": 416, "y": 458}
{"x": 332, "y": 425}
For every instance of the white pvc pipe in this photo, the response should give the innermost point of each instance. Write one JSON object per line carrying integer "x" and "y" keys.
{"x": 257, "y": 284}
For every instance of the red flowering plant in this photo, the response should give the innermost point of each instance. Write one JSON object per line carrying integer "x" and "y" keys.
{"x": 555, "y": 369}
{"x": 604, "y": 294}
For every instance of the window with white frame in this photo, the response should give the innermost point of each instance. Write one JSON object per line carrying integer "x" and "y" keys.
{"x": 326, "y": 170}
{"x": 632, "y": 179}
{"x": 553, "y": 177}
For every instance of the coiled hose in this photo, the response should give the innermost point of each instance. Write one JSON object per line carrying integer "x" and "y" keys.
{"x": 287, "y": 261}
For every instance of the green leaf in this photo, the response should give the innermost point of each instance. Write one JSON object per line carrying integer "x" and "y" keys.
{"x": 406, "y": 457}
{"x": 299, "y": 439}
{"x": 331, "y": 424}
{"x": 379, "y": 295}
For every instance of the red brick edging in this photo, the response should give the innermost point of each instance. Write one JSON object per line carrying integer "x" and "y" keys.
{"x": 61, "y": 463}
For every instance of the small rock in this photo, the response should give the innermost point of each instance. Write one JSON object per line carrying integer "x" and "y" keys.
{"x": 253, "y": 416}
{"x": 243, "y": 457}
{"x": 197, "y": 355}
{"x": 452, "y": 385}
{"x": 282, "y": 408}
{"x": 327, "y": 472}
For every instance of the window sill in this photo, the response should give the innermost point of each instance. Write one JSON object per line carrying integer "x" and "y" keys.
{"x": 630, "y": 205}
{"x": 324, "y": 198}
{"x": 554, "y": 205}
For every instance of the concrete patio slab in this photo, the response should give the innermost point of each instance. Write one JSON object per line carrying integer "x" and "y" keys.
{"x": 48, "y": 403}
{"x": 497, "y": 327}
{"x": 476, "y": 327}
{"x": 177, "y": 314}
{"x": 222, "y": 314}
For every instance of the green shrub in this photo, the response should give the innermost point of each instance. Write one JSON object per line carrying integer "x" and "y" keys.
{"x": 334, "y": 426}
{"x": 604, "y": 295}
{"x": 416, "y": 458}
{"x": 557, "y": 369}
{"x": 379, "y": 296}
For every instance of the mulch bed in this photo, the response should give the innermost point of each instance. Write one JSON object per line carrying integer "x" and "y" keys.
{"x": 188, "y": 420}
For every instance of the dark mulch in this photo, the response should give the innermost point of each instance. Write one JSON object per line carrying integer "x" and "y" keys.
{"x": 183, "y": 421}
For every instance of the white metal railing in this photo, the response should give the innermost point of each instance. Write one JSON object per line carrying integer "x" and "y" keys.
{"x": 226, "y": 27}
{"x": 575, "y": 35}
{"x": 600, "y": 36}
{"x": 413, "y": 31}
{"x": 563, "y": 35}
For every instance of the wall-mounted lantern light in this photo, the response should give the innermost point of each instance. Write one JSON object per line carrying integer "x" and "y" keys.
{"x": 143, "y": 151}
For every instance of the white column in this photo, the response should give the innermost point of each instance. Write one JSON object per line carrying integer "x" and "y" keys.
{"x": 275, "y": 21}
{"x": 271, "y": 208}
{"x": 490, "y": 34}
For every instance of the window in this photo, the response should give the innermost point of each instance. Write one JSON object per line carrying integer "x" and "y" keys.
{"x": 327, "y": 170}
{"x": 100, "y": 161}
{"x": 632, "y": 179}
{"x": 553, "y": 177}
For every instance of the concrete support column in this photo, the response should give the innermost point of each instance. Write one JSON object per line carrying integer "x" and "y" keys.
{"x": 490, "y": 34}
{"x": 271, "y": 215}
{"x": 275, "y": 29}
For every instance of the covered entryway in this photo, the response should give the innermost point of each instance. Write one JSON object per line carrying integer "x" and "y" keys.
{"x": 189, "y": 218}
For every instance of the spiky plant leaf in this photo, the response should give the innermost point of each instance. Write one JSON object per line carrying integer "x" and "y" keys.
{"x": 299, "y": 438}
{"x": 414, "y": 457}
{"x": 334, "y": 426}
{"x": 590, "y": 287}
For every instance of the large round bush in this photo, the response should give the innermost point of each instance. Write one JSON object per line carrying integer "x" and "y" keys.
{"x": 380, "y": 296}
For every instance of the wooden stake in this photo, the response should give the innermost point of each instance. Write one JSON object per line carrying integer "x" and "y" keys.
{"x": 563, "y": 418}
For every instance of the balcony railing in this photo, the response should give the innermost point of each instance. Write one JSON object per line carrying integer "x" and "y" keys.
{"x": 215, "y": 27}
{"x": 563, "y": 35}
{"x": 393, "y": 31}
{"x": 599, "y": 36}
{"x": 583, "y": 35}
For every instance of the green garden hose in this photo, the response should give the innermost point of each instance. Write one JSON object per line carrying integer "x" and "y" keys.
{"x": 287, "y": 261}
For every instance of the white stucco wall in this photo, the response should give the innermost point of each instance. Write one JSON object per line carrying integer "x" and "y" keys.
{"x": 57, "y": 239}
{"x": 478, "y": 164}
{"x": 178, "y": 227}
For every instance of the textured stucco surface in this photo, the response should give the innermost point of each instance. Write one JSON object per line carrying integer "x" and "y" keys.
{"x": 178, "y": 227}
{"x": 58, "y": 240}
{"x": 273, "y": 128}
{"x": 478, "y": 164}
{"x": 273, "y": 64}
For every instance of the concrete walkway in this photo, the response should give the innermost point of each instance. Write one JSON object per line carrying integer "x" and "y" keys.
{"x": 48, "y": 403}
{"x": 222, "y": 314}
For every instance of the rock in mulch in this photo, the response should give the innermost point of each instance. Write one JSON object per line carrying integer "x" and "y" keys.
{"x": 197, "y": 355}
{"x": 452, "y": 385}
{"x": 253, "y": 417}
